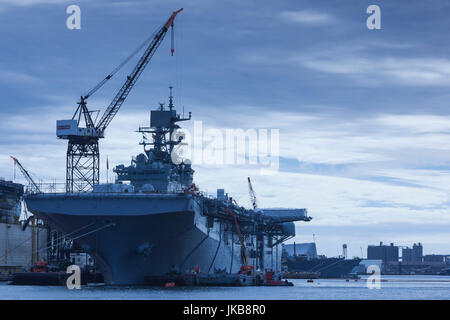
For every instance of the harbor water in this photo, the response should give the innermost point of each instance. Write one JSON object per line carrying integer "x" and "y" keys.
{"x": 392, "y": 288}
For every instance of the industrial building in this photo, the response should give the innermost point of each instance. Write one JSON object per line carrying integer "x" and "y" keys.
{"x": 436, "y": 258}
{"x": 414, "y": 254}
{"x": 412, "y": 260}
{"x": 19, "y": 247}
{"x": 383, "y": 252}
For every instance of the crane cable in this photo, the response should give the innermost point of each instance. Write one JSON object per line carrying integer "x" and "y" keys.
{"x": 56, "y": 240}
{"x": 178, "y": 66}
{"x": 82, "y": 235}
{"x": 124, "y": 62}
{"x": 172, "y": 41}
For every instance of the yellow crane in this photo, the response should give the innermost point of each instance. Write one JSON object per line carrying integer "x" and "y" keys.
{"x": 245, "y": 266}
{"x": 252, "y": 194}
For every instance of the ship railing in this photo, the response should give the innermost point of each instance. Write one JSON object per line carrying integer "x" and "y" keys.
{"x": 60, "y": 187}
{"x": 46, "y": 187}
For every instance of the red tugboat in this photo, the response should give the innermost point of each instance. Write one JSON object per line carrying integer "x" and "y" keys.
{"x": 273, "y": 279}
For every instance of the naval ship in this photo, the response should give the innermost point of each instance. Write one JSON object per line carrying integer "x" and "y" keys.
{"x": 154, "y": 220}
{"x": 302, "y": 258}
{"x": 325, "y": 267}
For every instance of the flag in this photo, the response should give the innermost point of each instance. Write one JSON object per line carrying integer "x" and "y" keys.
{"x": 107, "y": 163}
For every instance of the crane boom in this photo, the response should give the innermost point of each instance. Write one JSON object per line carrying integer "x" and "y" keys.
{"x": 241, "y": 239}
{"x": 252, "y": 194}
{"x": 27, "y": 176}
{"x": 120, "y": 97}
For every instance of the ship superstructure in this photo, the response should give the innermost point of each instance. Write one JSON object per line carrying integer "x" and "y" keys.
{"x": 155, "y": 170}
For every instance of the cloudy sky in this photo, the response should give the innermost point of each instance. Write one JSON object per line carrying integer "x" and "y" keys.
{"x": 363, "y": 114}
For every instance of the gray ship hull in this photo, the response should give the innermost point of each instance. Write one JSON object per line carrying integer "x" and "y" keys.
{"x": 132, "y": 236}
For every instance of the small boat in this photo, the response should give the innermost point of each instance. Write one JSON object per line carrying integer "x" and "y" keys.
{"x": 43, "y": 274}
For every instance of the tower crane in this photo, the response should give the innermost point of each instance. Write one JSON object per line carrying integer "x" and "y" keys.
{"x": 34, "y": 187}
{"x": 83, "y": 156}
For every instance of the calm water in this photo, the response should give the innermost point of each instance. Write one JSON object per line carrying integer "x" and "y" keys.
{"x": 392, "y": 287}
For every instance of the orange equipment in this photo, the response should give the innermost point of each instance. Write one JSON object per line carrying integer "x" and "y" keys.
{"x": 41, "y": 266}
{"x": 191, "y": 189}
{"x": 245, "y": 266}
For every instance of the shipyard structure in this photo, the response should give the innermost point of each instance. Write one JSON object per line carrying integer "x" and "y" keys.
{"x": 20, "y": 247}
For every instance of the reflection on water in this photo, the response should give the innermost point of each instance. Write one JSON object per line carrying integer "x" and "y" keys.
{"x": 392, "y": 287}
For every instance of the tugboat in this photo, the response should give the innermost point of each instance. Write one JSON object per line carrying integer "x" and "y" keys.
{"x": 41, "y": 274}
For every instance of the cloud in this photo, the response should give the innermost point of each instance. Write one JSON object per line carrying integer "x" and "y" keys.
{"x": 307, "y": 17}
{"x": 25, "y": 3}
{"x": 17, "y": 77}
{"x": 403, "y": 71}
{"x": 329, "y": 139}
{"x": 363, "y": 147}
{"x": 392, "y": 65}
{"x": 378, "y": 185}
{"x": 6, "y": 4}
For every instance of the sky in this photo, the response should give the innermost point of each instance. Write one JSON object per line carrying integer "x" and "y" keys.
{"x": 362, "y": 114}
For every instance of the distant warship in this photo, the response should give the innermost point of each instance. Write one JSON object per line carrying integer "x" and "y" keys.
{"x": 303, "y": 258}
{"x": 154, "y": 220}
